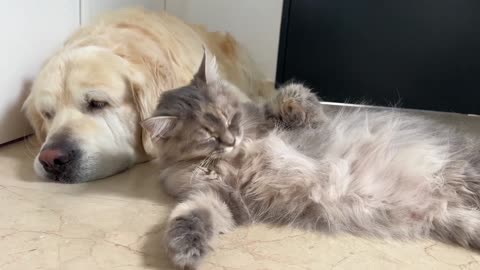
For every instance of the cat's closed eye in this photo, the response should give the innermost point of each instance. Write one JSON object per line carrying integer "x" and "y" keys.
{"x": 235, "y": 119}
{"x": 206, "y": 136}
{"x": 211, "y": 139}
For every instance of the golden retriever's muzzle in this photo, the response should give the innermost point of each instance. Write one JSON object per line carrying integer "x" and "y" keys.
{"x": 60, "y": 159}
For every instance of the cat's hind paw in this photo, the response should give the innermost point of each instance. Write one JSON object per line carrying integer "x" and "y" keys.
{"x": 295, "y": 106}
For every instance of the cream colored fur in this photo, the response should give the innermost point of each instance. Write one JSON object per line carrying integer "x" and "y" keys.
{"x": 130, "y": 57}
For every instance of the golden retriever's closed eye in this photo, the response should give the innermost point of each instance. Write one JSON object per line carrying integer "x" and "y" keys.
{"x": 89, "y": 98}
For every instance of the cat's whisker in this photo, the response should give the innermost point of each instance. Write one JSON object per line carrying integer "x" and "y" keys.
{"x": 202, "y": 165}
{"x": 195, "y": 171}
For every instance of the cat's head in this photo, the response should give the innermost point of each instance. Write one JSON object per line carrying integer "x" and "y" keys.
{"x": 199, "y": 120}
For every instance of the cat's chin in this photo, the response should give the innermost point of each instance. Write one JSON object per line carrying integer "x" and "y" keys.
{"x": 229, "y": 152}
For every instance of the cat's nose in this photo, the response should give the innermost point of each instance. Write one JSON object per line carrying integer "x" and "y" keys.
{"x": 232, "y": 143}
{"x": 228, "y": 140}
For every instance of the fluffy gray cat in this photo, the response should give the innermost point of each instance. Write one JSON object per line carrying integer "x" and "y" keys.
{"x": 364, "y": 172}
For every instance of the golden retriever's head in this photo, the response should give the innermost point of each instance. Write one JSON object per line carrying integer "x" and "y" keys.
{"x": 87, "y": 103}
{"x": 85, "y": 106}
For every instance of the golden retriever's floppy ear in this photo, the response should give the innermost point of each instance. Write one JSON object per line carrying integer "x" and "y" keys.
{"x": 35, "y": 119}
{"x": 145, "y": 100}
{"x": 148, "y": 81}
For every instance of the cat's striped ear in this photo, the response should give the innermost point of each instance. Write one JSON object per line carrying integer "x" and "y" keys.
{"x": 159, "y": 127}
{"x": 208, "y": 70}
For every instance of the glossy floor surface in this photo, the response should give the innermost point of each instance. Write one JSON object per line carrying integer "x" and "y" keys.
{"x": 117, "y": 223}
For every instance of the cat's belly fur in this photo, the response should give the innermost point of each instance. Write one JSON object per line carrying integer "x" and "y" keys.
{"x": 353, "y": 177}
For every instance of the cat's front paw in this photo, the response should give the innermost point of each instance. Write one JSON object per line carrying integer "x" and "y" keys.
{"x": 296, "y": 106}
{"x": 205, "y": 174}
{"x": 187, "y": 239}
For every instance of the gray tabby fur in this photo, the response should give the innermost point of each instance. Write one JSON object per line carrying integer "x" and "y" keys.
{"x": 364, "y": 172}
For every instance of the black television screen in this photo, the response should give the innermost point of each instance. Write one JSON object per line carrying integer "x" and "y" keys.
{"x": 421, "y": 54}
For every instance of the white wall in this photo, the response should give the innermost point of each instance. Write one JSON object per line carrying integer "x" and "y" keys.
{"x": 255, "y": 23}
{"x": 92, "y": 8}
{"x": 31, "y": 31}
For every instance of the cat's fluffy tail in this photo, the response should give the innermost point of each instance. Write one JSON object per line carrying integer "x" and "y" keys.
{"x": 459, "y": 226}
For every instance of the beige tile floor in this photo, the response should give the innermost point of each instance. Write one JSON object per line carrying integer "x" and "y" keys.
{"x": 116, "y": 223}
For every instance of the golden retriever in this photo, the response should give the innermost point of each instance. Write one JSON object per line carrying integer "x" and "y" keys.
{"x": 89, "y": 98}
